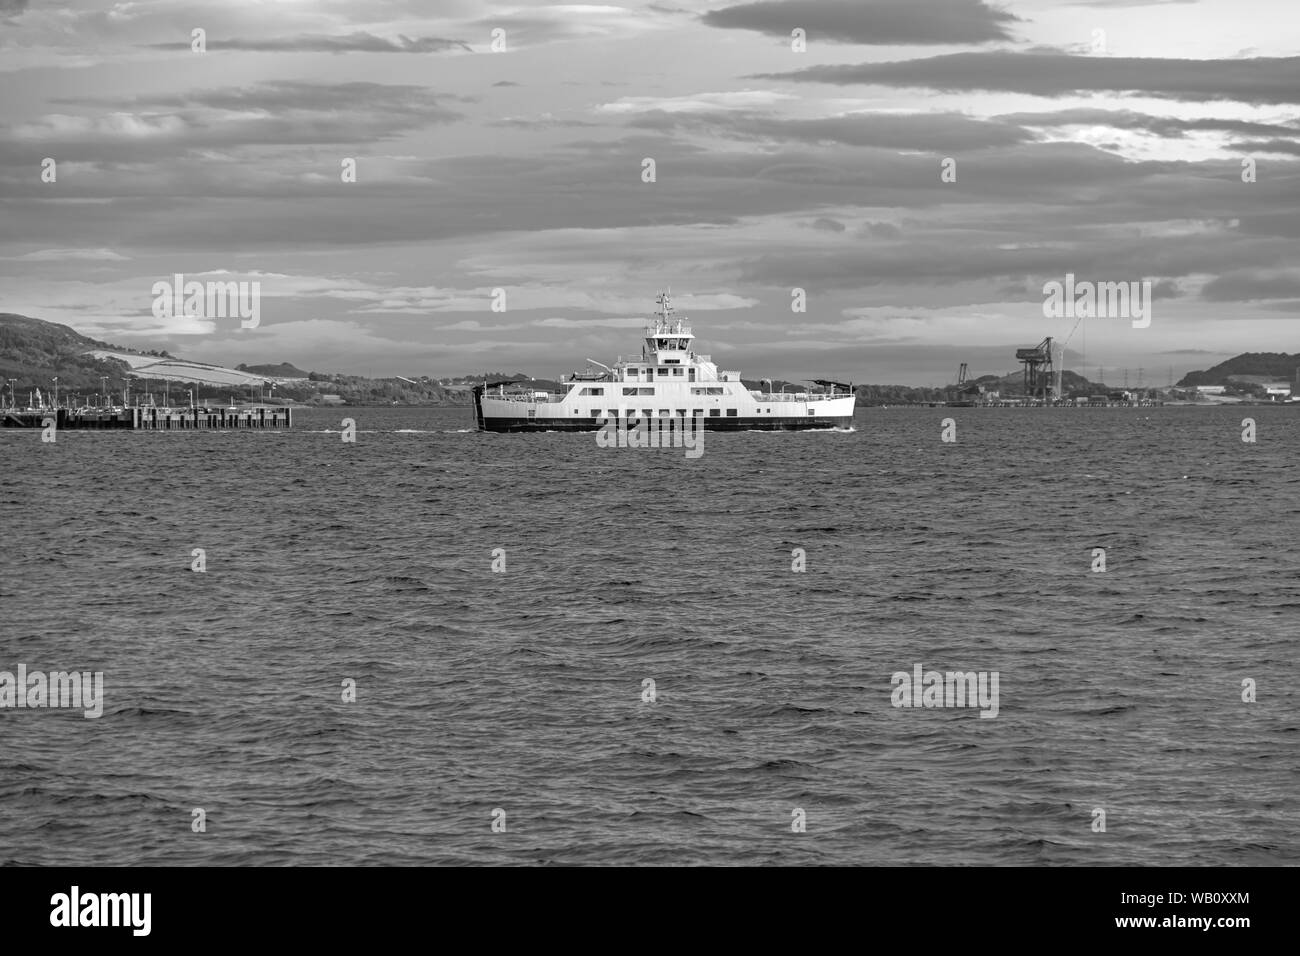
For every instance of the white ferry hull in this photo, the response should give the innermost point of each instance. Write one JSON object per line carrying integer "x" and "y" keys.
{"x": 498, "y": 415}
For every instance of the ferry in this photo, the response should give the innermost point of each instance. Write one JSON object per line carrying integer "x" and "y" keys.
{"x": 669, "y": 381}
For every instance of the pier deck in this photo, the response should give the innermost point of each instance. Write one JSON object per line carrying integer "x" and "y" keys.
{"x": 149, "y": 419}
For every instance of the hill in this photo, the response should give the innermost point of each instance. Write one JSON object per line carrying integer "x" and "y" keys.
{"x": 1255, "y": 367}
{"x": 33, "y": 352}
{"x": 283, "y": 370}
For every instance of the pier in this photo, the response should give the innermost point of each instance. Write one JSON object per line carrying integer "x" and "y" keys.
{"x": 149, "y": 418}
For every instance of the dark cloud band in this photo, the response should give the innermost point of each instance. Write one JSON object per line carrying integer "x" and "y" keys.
{"x": 1262, "y": 80}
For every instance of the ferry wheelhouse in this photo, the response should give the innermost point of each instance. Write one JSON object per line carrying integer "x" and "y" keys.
{"x": 669, "y": 381}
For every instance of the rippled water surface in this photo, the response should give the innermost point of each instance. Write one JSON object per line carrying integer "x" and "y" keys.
{"x": 372, "y": 562}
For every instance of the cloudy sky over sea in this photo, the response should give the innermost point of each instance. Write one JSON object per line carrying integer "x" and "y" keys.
{"x": 1103, "y": 138}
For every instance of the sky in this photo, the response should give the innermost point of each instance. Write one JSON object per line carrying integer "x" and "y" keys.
{"x": 504, "y": 146}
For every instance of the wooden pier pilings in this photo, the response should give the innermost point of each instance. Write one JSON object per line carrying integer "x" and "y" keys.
{"x": 149, "y": 419}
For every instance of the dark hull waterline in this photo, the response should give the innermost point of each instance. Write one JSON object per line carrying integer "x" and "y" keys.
{"x": 773, "y": 424}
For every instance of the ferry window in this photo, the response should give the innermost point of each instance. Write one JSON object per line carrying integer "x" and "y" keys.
{"x": 647, "y": 391}
{"x": 681, "y": 413}
{"x": 677, "y": 371}
{"x": 810, "y": 411}
{"x": 630, "y": 391}
{"x": 663, "y": 371}
{"x": 731, "y": 412}
{"x": 714, "y": 413}
{"x": 664, "y": 413}
{"x": 647, "y": 413}
{"x": 593, "y": 391}
{"x": 697, "y": 413}
{"x": 612, "y": 413}
{"x": 595, "y": 413}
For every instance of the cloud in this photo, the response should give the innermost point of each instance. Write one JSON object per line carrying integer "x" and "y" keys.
{"x": 556, "y": 22}
{"x": 1285, "y": 147}
{"x": 274, "y": 96}
{"x": 882, "y": 230}
{"x": 545, "y": 121}
{"x": 697, "y": 103}
{"x": 1168, "y": 127}
{"x": 523, "y": 297}
{"x": 67, "y": 255}
{"x": 909, "y": 131}
{"x": 1125, "y": 3}
{"x": 148, "y": 127}
{"x": 1262, "y": 80}
{"x": 878, "y": 22}
{"x": 359, "y": 42}
{"x": 824, "y": 224}
{"x": 1251, "y": 284}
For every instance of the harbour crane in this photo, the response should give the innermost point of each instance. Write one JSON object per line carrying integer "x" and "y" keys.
{"x": 965, "y": 393}
{"x": 1041, "y": 382}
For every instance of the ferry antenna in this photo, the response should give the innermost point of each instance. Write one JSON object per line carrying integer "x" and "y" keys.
{"x": 665, "y": 304}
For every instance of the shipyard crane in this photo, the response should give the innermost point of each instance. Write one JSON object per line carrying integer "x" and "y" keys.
{"x": 1040, "y": 371}
{"x": 965, "y": 393}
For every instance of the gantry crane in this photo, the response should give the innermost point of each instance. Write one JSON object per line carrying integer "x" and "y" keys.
{"x": 1040, "y": 371}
